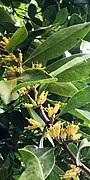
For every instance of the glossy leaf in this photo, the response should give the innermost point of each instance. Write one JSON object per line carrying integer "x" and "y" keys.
{"x": 84, "y": 115}
{"x": 49, "y": 15}
{"x": 5, "y": 17}
{"x": 36, "y": 117}
{"x": 46, "y": 158}
{"x": 63, "y": 89}
{"x": 18, "y": 37}
{"x": 61, "y": 16}
{"x": 78, "y": 99}
{"x": 84, "y": 143}
{"x": 59, "y": 42}
{"x": 47, "y": 161}
{"x": 72, "y": 63}
{"x": 78, "y": 72}
{"x": 6, "y": 91}
{"x": 33, "y": 168}
{"x": 63, "y": 63}
{"x": 56, "y": 174}
{"x": 34, "y": 76}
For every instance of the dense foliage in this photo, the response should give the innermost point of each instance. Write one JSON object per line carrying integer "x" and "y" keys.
{"x": 44, "y": 95}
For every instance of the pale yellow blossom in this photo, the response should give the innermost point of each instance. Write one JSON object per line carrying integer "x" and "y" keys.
{"x": 72, "y": 129}
{"x": 52, "y": 110}
{"x": 54, "y": 130}
{"x": 42, "y": 98}
{"x": 33, "y": 124}
{"x": 37, "y": 65}
{"x": 5, "y": 39}
{"x": 63, "y": 133}
{"x": 72, "y": 173}
{"x": 27, "y": 105}
{"x": 23, "y": 91}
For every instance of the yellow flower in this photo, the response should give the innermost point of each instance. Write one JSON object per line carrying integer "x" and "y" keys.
{"x": 12, "y": 57}
{"x": 76, "y": 136}
{"x": 63, "y": 133}
{"x": 54, "y": 130}
{"x": 6, "y": 40}
{"x": 27, "y": 105}
{"x": 72, "y": 173}
{"x": 33, "y": 124}
{"x": 37, "y": 65}
{"x": 42, "y": 98}
{"x": 50, "y": 111}
{"x": 72, "y": 129}
{"x": 23, "y": 91}
{"x": 53, "y": 110}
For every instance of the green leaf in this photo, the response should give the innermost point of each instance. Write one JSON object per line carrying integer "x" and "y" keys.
{"x": 63, "y": 63}
{"x": 75, "y": 19}
{"x": 36, "y": 117}
{"x": 47, "y": 161}
{"x": 77, "y": 100}
{"x": 5, "y": 17}
{"x": 6, "y": 91}
{"x": 18, "y": 37}
{"x": 56, "y": 173}
{"x": 84, "y": 143}
{"x": 32, "y": 10}
{"x": 72, "y": 63}
{"x": 59, "y": 42}
{"x": 33, "y": 167}
{"x": 84, "y": 115}
{"x": 46, "y": 158}
{"x": 49, "y": 15}
{"x": 34, "y": 76}
{"x": 63, "y": 89}
{"x": 61, "y": 16}
{"x": 78, "y": 72}
{"x": 73, "y": 148}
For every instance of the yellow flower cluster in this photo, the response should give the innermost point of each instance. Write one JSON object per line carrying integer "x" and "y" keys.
{"x": 72, "y": 130}
{"x": 54, "y": 130}
{"x": 72, "y": 173}
{"x": 11, "y": 70}
{"x": 42, "y": 98}
{"x": 52, "y": 110}
{"x": 69, "y": 132}
{"x": 24, "y": 90}
{"x": 37, "y": 65}
{"x": 27, "y": 105}
{"x": 33, "y": 124}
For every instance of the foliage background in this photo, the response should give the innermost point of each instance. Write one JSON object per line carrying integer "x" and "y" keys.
{"x": 43, "y": 30}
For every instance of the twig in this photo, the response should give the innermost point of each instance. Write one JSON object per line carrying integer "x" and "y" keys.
{"x": 73, "y": 157}
{"x": 45, "y": 118}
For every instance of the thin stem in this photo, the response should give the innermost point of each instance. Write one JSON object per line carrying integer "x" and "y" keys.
{"x": 73, "y": 157}
{"x": 45, "y": 118}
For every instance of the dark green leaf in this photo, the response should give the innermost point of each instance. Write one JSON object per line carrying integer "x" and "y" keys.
{"x": 47, "y": 161}
{"x": 5, "y": 17}
{"x": 61, "y": 16}
{"x": 49, "y": 15}
{"x": 63, "y": 89}
{"x": 56, "y": 174}
{"x": 31, "y": 10}
{"x": 84, "y": 115}
{"x": 78, "y": 99}
{"x": 18, "y": 37}
{"x": 33, "y": 167}
{"x": 61, "y": 62}
{"x": 59, "y": 42}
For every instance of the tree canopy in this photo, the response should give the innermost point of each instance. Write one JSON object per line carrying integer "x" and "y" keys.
{"x": 44, "y": 90}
